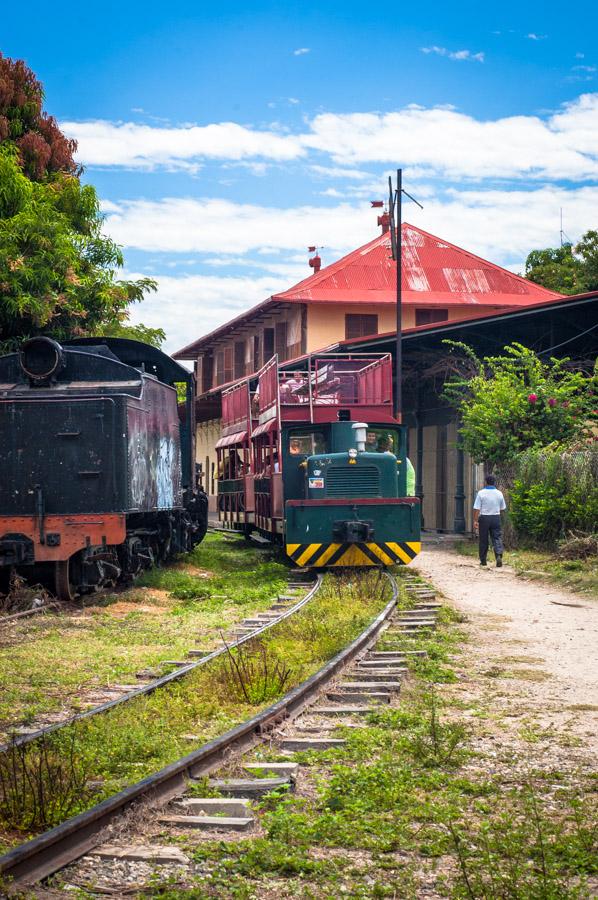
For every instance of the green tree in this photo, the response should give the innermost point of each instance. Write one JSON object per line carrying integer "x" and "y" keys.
{"x": 568, "y": 269}
{"x": 510, "y": 403}
{"x": 58, "y": 272}
{"x": 588, "y": 252}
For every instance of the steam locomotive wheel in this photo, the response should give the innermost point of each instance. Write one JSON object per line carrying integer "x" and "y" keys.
{"x": 63, "y": 588}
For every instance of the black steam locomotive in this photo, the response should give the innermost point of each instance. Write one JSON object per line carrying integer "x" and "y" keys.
{"x": 97, "y": 465}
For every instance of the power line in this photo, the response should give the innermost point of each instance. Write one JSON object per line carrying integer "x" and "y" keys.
{"x": 568, "y": 341}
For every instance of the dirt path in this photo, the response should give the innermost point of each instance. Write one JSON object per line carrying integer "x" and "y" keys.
{"x": 539, "y": 643}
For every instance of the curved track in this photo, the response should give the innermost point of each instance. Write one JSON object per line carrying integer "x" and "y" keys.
{"x": 62, "y": 845}
{"x": 157, "y": 683}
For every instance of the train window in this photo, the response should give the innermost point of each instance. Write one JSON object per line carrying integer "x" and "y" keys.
{"x": 306, "y": 444}
{"x": 381, "y": 440}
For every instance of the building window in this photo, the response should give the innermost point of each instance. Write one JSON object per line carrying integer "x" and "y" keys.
{"x": 357, "y": 326}
{"x": 224, "y": 365}
{"x": 281, "y": 340}
{"x": 205, "y": 367}
{"x": 256, "y": 352}
{"x": 268, "y": 345}
{"x": 429, "y": 316}
{"x": 239, "y": 359}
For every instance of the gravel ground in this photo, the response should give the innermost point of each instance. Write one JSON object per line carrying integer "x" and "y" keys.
{"x": 544, "y": 635}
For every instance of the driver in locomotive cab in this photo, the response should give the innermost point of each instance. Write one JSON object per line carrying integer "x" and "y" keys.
{"x": 371, "y": 442}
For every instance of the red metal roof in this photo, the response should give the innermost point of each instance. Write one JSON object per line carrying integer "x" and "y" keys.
{"x": 435, "y": 273}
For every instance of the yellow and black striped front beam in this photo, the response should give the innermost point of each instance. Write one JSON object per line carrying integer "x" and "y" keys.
{"x": 389, "y": 553}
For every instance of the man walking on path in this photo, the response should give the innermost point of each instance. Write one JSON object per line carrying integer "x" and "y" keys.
{"x": 486, "y": 520}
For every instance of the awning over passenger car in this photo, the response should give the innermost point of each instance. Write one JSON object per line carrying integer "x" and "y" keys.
{"x": 264, "y": 428}
{"x": 231, "y": 439}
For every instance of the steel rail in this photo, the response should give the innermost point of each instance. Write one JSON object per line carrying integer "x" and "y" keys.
{"x": 12, "y": 617}
{"x": 152, "y": 686}
{"x": 44, "y": 855}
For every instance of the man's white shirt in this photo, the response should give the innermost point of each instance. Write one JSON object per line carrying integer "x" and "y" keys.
{"x": 489, "y": 501}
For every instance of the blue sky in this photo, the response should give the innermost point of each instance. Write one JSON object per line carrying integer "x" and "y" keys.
{"x": 225, "y": 140}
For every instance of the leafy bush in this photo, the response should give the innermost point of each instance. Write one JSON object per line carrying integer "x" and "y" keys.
{"x": 555, "y": 492}
{"x": 517, "y": 401}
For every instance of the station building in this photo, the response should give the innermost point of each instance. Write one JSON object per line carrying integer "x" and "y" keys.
{"x": 346, "y": 304}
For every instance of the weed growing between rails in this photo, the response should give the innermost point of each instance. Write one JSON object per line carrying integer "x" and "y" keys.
{"x": 131, "y": 741}
{"x": 57, "y": 663}
{"x": 417, "y": 803}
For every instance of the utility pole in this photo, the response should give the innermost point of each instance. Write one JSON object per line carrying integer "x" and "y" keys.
{"x": 395, "y": 206}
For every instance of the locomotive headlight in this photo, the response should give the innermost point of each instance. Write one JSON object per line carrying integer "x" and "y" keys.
{"x": 352, "y": 453}
{"x": 41, "y": 357}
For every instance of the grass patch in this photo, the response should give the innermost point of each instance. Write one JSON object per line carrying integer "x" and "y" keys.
{"x": 407, "y": 808}
{"x": 50, "y": 663}
{"x": 135, "y": 739}
{"x": 579, "y": 575}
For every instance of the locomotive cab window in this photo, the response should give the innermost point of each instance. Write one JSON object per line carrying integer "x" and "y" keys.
{"x": 302, "y": 444}
{"x": 381, "y": 440}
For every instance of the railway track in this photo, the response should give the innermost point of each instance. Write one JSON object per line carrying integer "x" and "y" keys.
{"x": 354, "y": 683}
{"x": 283, "y": 606}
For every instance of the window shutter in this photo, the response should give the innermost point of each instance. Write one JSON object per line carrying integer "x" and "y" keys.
{"x": 357, "y": 326}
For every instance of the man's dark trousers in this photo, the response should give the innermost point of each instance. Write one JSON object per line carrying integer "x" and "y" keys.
{"x": 490, "y": 527}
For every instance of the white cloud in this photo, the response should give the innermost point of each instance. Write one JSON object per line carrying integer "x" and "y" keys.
{"x": 336, "y": 172}
{"x": 458, "y": 55}
{"x": 501, "y": 226}
{"x": 537, "y": 37}
{"x": 192, "y": 305}
{"x": 176, "y": 225}
{"x": 563, "y": 145}
{"x": 103, "y": 143}
{"x": 301, "y": 51}
{"x": 454, "y": 145}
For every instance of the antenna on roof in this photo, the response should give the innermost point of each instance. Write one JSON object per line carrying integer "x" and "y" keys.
{"x": 395, "y": 210}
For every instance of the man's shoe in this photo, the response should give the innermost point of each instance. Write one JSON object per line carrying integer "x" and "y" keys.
{"x": 499, "y": 561}
{"x": 483, "y": 562}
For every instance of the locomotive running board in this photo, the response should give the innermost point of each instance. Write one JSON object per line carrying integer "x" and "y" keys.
{"x": 390, "y": 553}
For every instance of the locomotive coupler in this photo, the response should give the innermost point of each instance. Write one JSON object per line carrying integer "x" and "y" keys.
{"x": 352, "y": 532}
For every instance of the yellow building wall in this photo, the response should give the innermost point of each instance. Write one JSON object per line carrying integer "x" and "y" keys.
{"x": 326, "y": 322}
{"x": 206, "y": 435}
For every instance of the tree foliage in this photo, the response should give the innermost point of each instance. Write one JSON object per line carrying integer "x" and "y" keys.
{"x": 510, "y": 403}
{"x": 42, "y": 148}
{"x": 58, "y": 272}
{"x": 568, "y": 269}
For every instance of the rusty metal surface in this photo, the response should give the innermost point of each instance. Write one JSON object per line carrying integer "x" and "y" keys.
{"x": 53, "y": 850}
{"x": 154, "y": 450}
{"x": 434, "y": 273}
